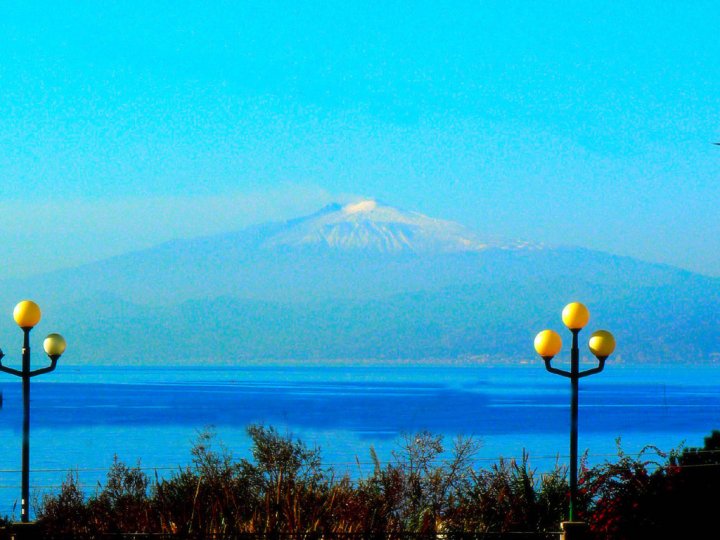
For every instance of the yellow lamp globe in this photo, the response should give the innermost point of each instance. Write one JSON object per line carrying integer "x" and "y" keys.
{"x": 54, "y": 345}
{"x": 548, "y": 343}
{"x": 27, "y": 314}
{"x": 602, "y": 343}
{"x": 575, "y": 316}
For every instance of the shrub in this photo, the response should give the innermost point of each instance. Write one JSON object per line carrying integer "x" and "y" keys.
{"x": 122, "y": 505}
{"x": 508, "y": 497}
{"x": 631, "y": 497}
{"x": 424, "y": 489}
{"x": 65, "y": 513}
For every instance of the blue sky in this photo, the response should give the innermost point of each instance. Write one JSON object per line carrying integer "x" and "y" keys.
{"x": 587, "y": 123}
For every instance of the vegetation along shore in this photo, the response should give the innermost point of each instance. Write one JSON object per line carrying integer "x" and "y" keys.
{"x": 430, "y": 487}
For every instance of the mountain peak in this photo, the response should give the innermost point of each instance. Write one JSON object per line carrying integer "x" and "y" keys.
{"x": 368, "y": 226}
{"x": 360, "y": 207}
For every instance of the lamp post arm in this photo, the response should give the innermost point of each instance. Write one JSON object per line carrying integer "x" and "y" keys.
{"x": 593, "y": 371}
{"x": 556, "y": 371}
{"x": 11, "y": 371}
{"x": 51, "y": 367}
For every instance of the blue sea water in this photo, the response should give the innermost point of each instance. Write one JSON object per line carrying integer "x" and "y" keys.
{"x": 82, "y": 416}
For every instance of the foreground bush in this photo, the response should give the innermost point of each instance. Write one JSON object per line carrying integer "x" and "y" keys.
{"x": 655, "y": 495}
{"x": 425, "y": 488}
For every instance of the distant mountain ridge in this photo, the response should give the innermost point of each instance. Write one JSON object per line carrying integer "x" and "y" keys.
{"x": 364, "y": 280}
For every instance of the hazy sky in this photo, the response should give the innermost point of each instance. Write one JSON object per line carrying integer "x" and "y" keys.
{"x": 588, "y": 123}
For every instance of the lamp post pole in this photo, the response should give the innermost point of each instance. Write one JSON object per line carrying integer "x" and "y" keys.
{"x": 547, "y": 344}
{"x": 25, "y": 497}
{"x": 27, "y": 315}
{"x": 574, "y": 377}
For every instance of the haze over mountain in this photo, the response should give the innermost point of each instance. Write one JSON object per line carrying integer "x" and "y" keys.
{"x": 364, "y": 281}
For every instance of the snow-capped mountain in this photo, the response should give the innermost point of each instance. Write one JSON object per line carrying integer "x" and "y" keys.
{"x": 367, "y": 225}
{"x": 358, "y": 250}
{"x": 364, "y": 280}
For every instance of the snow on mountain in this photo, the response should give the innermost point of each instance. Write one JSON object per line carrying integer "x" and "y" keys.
{"x": 367, "y": 225}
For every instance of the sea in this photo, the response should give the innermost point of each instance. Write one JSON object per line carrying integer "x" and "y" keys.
{"x": 83, "y": 416}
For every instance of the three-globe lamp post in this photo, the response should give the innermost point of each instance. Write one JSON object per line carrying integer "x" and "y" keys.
{"x": 27, "y": 314}
{"x": 548, "y": 344}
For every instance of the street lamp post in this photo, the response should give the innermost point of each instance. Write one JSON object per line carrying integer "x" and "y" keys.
{"x": 27, "y": 315}
{"x": 547, "y": 344}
